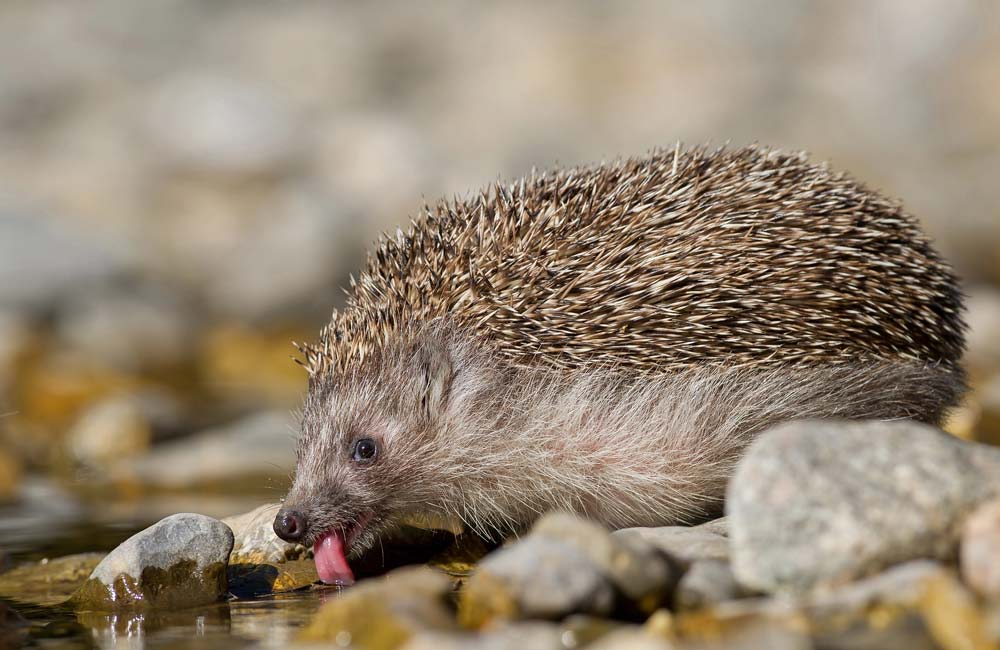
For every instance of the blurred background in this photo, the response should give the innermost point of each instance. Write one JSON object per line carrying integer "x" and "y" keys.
{"x": 184, "y": 185}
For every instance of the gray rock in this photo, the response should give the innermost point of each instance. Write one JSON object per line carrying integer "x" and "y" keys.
{"x": 178, "y": 561}
{"x": 707, "y": 582}
{"x": 816, "y": 503}
{"x": 683, "y": 543}
{"x": 211, "y": 124}
{"x": 536, "y": 577}
{"x": 147, "y": 328}
{"x": 255, "y": 541}
{"x": 980, "y": 550}
{"x": 718, "y": 526}
{"x": 258, "y": 446}
{"x": 635, "y": 566}
{"x": 42, "y": 261}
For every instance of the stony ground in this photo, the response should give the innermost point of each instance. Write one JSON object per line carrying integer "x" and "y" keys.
{"x": 186, "y": 184}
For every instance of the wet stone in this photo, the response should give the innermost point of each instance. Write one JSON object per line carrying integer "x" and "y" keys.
{"x": 177, "y": 562}
{"x": 385, "y": 612}
{"x": 262, "y": 579}
{"x": 254, "y": 541}
{"x": 821, "y": 503}
{"x": 48, "y": 582}
{"x": 536, "y": 577}
{"x": 980, "y": 550}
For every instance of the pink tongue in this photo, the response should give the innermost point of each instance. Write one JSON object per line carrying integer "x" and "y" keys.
{"x": 331, "y": 565}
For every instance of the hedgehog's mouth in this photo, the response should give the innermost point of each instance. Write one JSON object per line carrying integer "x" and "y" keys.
{"x": 331, "y": 548}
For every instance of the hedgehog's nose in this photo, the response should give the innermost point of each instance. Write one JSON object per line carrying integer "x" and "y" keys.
{"x": 290, "y": 525}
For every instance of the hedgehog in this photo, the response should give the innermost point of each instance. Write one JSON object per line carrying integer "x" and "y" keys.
{"x": 607, "y": 340}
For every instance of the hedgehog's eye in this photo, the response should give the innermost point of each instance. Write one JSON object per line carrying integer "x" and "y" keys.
{"x": 364, "y": 450}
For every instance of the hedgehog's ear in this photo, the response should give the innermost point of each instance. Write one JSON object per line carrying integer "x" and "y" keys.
{"x": 434, "y": 375}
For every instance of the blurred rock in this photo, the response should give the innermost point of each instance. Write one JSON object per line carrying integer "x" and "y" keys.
{"x": 536, "y": 577}
{"x": 255, "y": 541}
{"x": 10, "y": 476}
{"x": 245, "y": 367}
{"x": 980, "y": 550}
{"x": 43, "y": 262}
{"x": 283, "y": 261}
{"x": 110, "y": 431}
{"x": 50, "y": 581}
{"x": 177, "y": 562}
{"x": 15, "y": 340}
{"x": 131, "y": 330}
{"x": 820, "y": 503}
{"x": 386, "y": 612}
{"x": 983, "y": 340}
{"x": 207, "y": 123}
{"x": 252, "y": 449}
{"x": 684, "y": 543}
{"x": 707, "y": 582}
{"x": 634, "y": 565}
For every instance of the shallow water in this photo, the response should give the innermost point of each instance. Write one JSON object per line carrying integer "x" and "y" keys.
{"x": 28, "y": 535}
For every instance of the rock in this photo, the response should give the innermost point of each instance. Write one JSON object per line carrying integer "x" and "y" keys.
{"x": 108, "y": 432}
{"x": 48, "y": 582}
{"x": 980, "y": 550}
{"x": 143, "y": 328}
{"x": 208, "y": 124}
{"x": 385, "y": 612}
{"x": 267, "y": 578}
{"x": 179, "y": 561}
{"x": 255, "y": 541}
{"x": 707, "y": 582}
{"x": 818, "y": 503}
{"x": 718, "y": 526}
{"x": 248, "y": 368}
{"x": 10, "y": 476}
{"x": 15, "y": 341}
{"x": 637, "y": 569}
{"x": 43, "y": 262}
{"x": 683, "y": 543}
{"x": 255, "y": 448}
{"x": 535, "y": 577}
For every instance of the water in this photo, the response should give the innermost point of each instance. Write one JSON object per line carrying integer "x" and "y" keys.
{"x": 50, "y": 525}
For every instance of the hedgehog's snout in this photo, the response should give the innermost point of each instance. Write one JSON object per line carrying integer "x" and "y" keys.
{"x": 290, "y": 525}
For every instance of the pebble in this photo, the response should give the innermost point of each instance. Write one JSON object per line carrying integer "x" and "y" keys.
{"x": 255, "y": 541}
{"x": 634, "y": 565}
{"x": 980, "y": 550}
{"x": 535, "y": 578}
{"x": 707, "y": 582}
{"x": 385, "y": 612}
{"x": 48, "y": 582}
{"x": 818, "y": 503}
{"x": 177, "y": 562}
{"x": 685, "y": 544}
